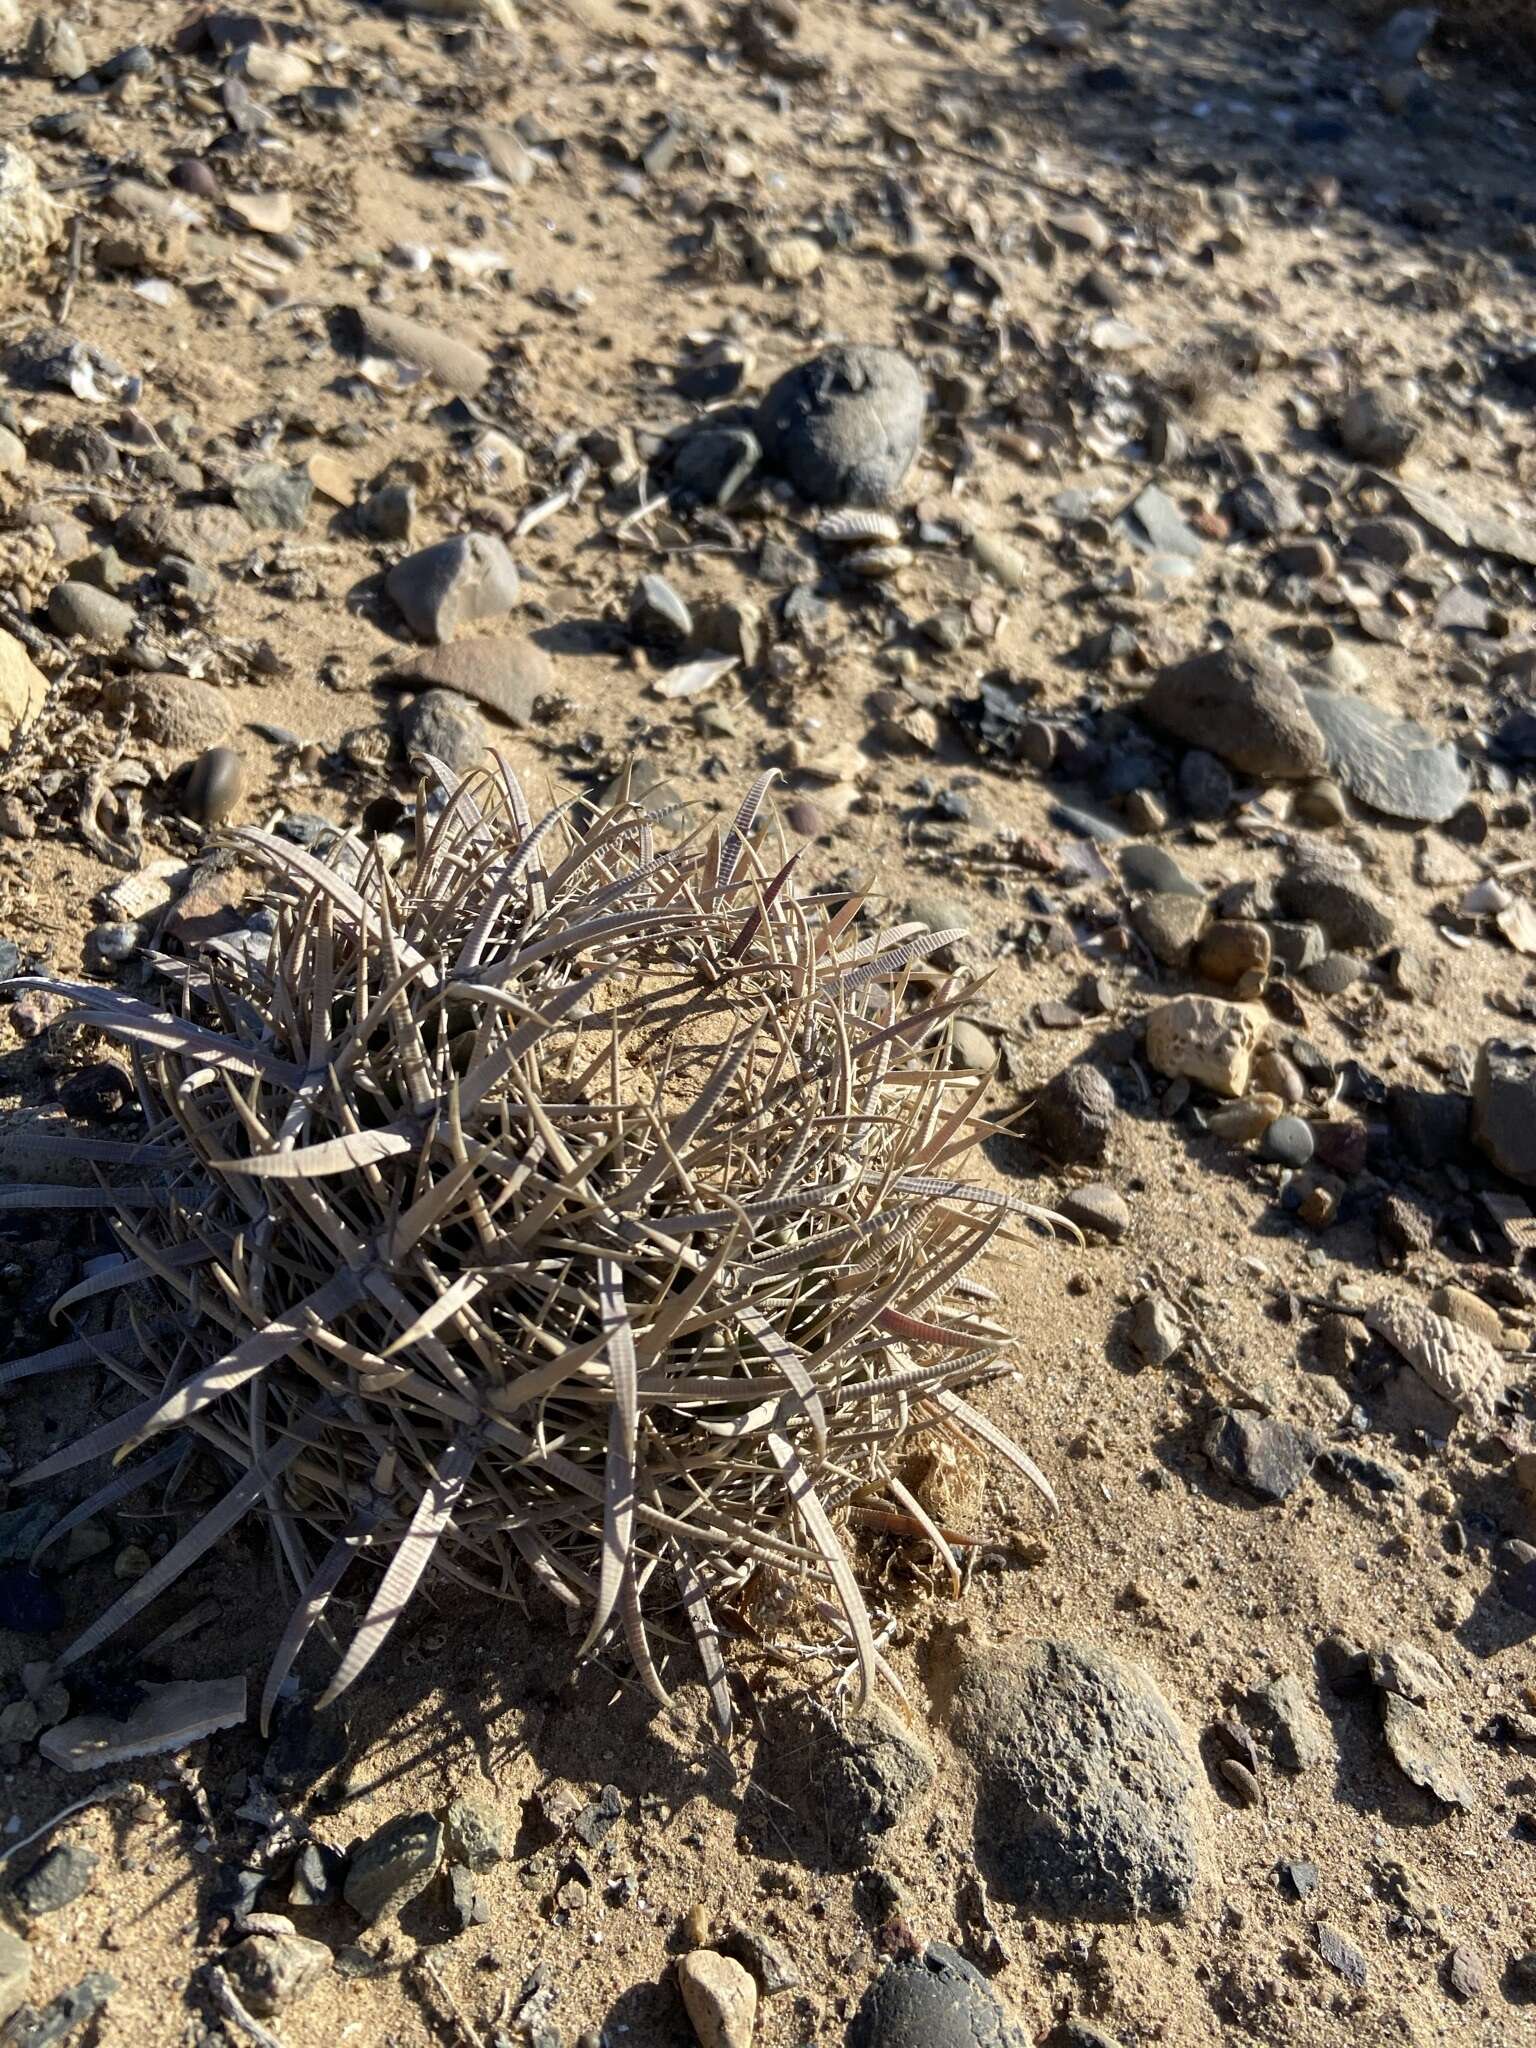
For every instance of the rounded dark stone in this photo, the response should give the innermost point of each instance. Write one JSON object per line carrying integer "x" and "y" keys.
{"x": 1289, "y": 1140}
{"x": 1205, "y": 785}
{"x": 844, "y": 427}
{"x": 1074, "y": 1116}
{"x": 935, "y": 2000}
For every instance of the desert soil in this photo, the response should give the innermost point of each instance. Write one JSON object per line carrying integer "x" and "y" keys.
{"x": 1221, "y": 218}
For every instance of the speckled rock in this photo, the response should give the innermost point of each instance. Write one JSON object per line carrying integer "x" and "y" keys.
{"x": 719, "y": 1997}
{"x": 1198, "y": 1038}
{"x": 844, "y": 428}
{"x": 31, "y": 221}
{"x": 935, "y": 2000}
{"x": 393, "y": 1865}
{"x": 271, "y": 1971}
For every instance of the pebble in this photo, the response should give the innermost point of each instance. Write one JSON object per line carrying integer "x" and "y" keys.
{"x": 445, "y": 725}
{"x": 1265, "y": 1456}
{"x": 274, "y": 1971}
{"x": 1097, "y": 1209}
{"x": 1288, "y": 1140}
{"x": 933, "y": 2000}
{"x": 271, "y": 498}
{"x": 1154, "y": 868}
{"x": 1170, "y": 926}
{"x": 507, "y": 673}
{"x": 1157, "y": 1330}
{"x": 1074, "y": 1116}
{"x": 1206, "y": 788}
{"x": 1232, "y": 950}
{"x": 396, "y": 1862}
{"x": 213, "y": 785}
{"x": 720, "y": 1998}
{"x": 474, "y": 1836}
{"x": 58, "y": 1877}
{"x": 1283, "y": 1710}
{"x": 1327, "y": 892}
{"x": 844, "y": 428}
{"x": 388, "y": 514}
{"x": 82, "y": 612}
{"x": 1376, "y": 428}
{"x": 454, "y": 583}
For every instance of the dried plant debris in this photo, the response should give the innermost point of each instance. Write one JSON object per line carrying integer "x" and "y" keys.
{"x": 1462, "y": 1367}
{"x": 560, "y": 1199}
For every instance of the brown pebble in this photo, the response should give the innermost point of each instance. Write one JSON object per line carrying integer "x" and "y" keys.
{"x": 213, "y": 785}
{"x": 1242, "y": 1781}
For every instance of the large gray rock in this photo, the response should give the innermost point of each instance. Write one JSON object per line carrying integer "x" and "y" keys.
{"x": 935, "y": 2000}
{"x": 1242, "y": 707}
{"x": 453, "y": 583}
{"x": 852, "y": 1777}
{"x": 844, "y": 427}
{"x": 1504, "y": 1107}
{"x": 1390, "y": 763}
{"x": 1090, "y": 1801}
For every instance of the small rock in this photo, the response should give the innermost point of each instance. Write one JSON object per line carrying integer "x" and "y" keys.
{"x": 1504, "y": 1107}
{"x": 393, "y": 1865}
{"x": 1153, "y": 868}
{"x": 1232, "y": 950}
{"x": 82, "y": 612}
{"x": 1206, "y": 788}
{"x": 770, "y": 1963}
{"x": 454, "y": 583}
{"x": 1419, "y": 1750}
{"x": 457, "y": 365}
{"x": 474, "y": 1836}
{"x": 388, "y": 514}
{"x": 934, "y": 2000}
{"x": 1465, "y": 1975}
{"x": 1097, "y": 1209}
{"x": 1341, "y": 1954}
{"x": 1412, "y": 1673}
{"x": 657, "y": 613}
{"x": 15, "y": 1973}
{"x": 445, "y": 725}
{"x": 1327, "y": 892}
{"x": 1157, "y": 1330}
{"x": 1241, "y": 706}
{"x": 213, "y": 785}
{"x": 860, "y": 1774}
{"x": 271, "y": 1971}
{"x": 1260, "y": 1453}
{"x": 467, "y": 1906}
{"x": 507, "y": 674}
{"x": 58, "y": 1877}
{"x": 844, "y": 428}
{"x": 270, "y": 498}
{"x": 1073, "y": 1117}
{"x": 1286, "y": 1715}
{"x": 1242, "y": 1781}
{"x": 1169, "y": 926}
{"x": 1199, "y": 1038}
{"x": 719, "y": 1997}
{"x": 1376, "y": 428}
{"x": 1289, "y": 1141}
{"x": 23, "y": 688}
{"x": 31, "y": 219}
{"x": 1321, "y": 803}
{"x": 1088, "y": 1799}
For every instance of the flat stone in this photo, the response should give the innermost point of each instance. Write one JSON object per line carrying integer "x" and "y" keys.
{"x": 719, "y": 1997}
{"x": 844, "y": 428}
{"x": 162, "y": 1720}
{"x": 1341, "y": 1955}
{"x": 1419, "y": 1750}
{"x": 1260, "y": 1453}
{"x": 935, "y": 2000}
{"x": 1241, "y": 706}
{"x": 507, "y": 673}
{"x": 457, "y": 365}
{"x": 395, "y": 1863}
{"x": 1392, "y": 764}
{"x": 1294, "y": 1728}
{"x": 1098, "y": 1209}
{"x": 1504, "y": 1107}
{"x": 454, "y": 583}
{"x": 272, "y": 1971}
{"x": 1153, "y": 523}
{"x": 1089, "y": 1801}
{"x": 58, "y": 1877}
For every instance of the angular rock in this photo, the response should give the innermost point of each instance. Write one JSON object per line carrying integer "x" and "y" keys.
{"x": 719, "y": 1997}
{"x": 474, "y": 1836}
{"x": 844, "y": 428}
{"x": 1074, "y": 1115}
{"x": 1504, "y": 1107}
{"x": 1392, "y": 764}
{"x": 15, "y": 1973}
{"x": 1260, "y": 1453}
{"x": 1325, "y": 890}
{"x": 507, "y": 673}
{"x": 1157, "y": 1330}
{"x": 395, "y": 1863}
{"x": 60, "y": 1875}
{"x": 271, "y": 1971}
{"x": 1199, "y": 1038}
{"x": 453, "y": 583}
{"x": 1153, "y": 523}
{"x": 1098, "y": 1209}
{"x": 1233, "y": 948}
{"x": 1089, "y": 1799}
{"x": 273, "y": 498}
{"x": 935, "y": 2000}
{"x": 1241, "y": 706}
{"x": 1170, "y": 926}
